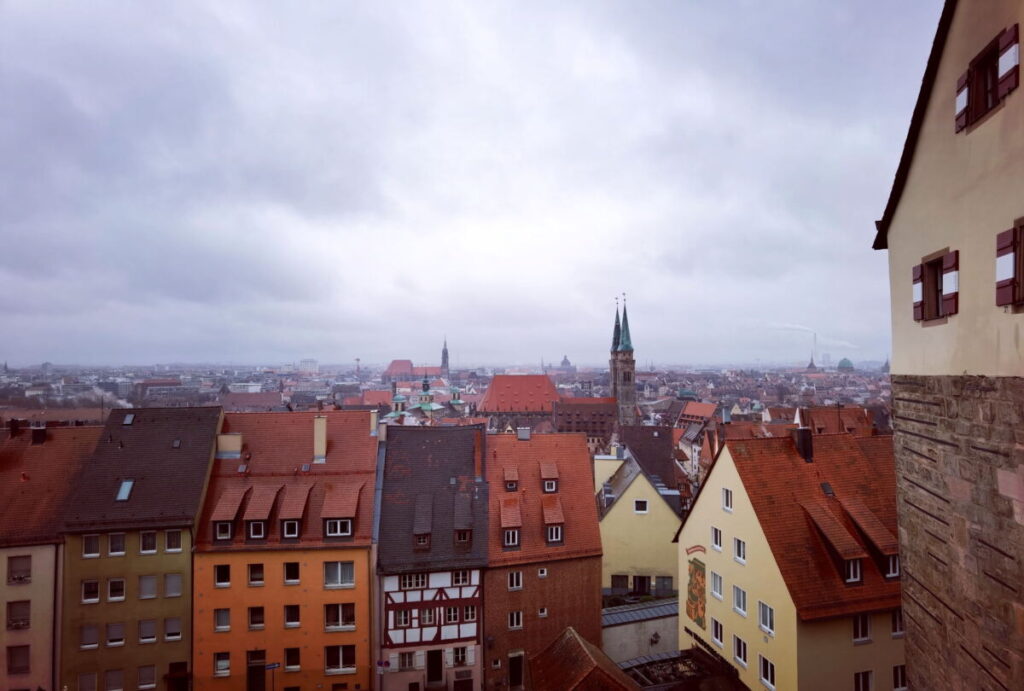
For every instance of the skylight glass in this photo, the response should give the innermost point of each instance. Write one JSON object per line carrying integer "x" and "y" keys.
{"x": 125, "y": 490}
{"x": 129, "y": 418}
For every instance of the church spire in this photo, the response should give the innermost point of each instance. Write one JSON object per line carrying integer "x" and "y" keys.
{"x": 625, "y": 343}
{"x": 618, "y": 328}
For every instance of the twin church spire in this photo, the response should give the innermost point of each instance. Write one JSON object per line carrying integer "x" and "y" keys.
{"x": 622, "y": 368}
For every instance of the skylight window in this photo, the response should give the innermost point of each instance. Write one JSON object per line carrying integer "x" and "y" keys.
{"x": 125, "y": 490}
{"x": 129, "y": 418}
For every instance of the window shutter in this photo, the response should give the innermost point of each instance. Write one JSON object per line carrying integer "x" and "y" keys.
{"x": 449, "y": 657}
{"x": 1006, "y": 264}
{"x": 1009, "y": 61}
{"x": 918, "y": 292}
{"x": 950, "y": 282}
{"x": 471, "y": 655}
{"x": 961, "y": 102}
{"x": 393, "y": 662}
{"x": 418, "y": 658}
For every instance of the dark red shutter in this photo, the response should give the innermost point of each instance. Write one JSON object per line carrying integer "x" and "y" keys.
{"x": 1006, "y": 264}
{"x": 1009, "y": 61}
{"x": 918, "y": 292}
{"x": 950, "y": 282}
{"x": 962, "y": 97}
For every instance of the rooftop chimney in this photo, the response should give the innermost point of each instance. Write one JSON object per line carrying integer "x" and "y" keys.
{"x": 15, "y": 427}
{"x": 229, "y": 445}
{"x": 523, "y": 433}
{"x": 38, "y": 435}
{"x": 320, "y": 439}
{"x": 804, "y": 445}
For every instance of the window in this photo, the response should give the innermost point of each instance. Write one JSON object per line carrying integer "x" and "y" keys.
{"x": 341, "y": 615}
{"x": 90, "y": 546}
{"x": 408, "y": 581}
{"x": 767, "y": 672}
{"x": 339, "y": 574}
{"x": 897, "y": 623}
{"x": 89, "y": 637}
{"x": 460, "y": 578}
{"x": 340, "y": 658}
{"x": 405, "y": 660}
{"x": 451, "y": 615}
{"x": 469, "y": 613}
{"x": 426, "y": 617}
{"x": 542, "y": 612}
{"x": 899, "y": 678}
{"x": 935, "y": 287}
{"x": 172, "y": 541}
{"x": 739, "y": 650}
{"x": 862, "y": 681}
{"x": 339, "y": 527}
{"x": 727, "y": 499}
{"x": 542, "y": 573}
{"x": 125, "y": 490}
{"x": 222, "y": 530}
{"x": 113, "y": 680}
{"x": 620, "y": 583}
{"x": 511, "y": 485}
{"x": 853, "y": 570}
{"x": 147, "y": 587}
{"x": 861, "y": 628}
{"x": 894, "y": 566}
{"x": 462, "y": 537}
{"x": 18, "y": 659}
{"x": 291, "y": 616}
{"x": 257, "y": 530}
{"x": 90, "y": 592}
{"x": 639, "y": 506}
{"x": 512, "y": 537}
{"x": 1010, "y": 265}
{"x": 172, "y": 585}
{"x": 739, "y": 600}
{"x": 256, "y": 620}
{"x": 115, "y": 634}
{"x": 403, "y": 618}
{"x": 422, "y": 540}
{"x": 87, "y": 682}
{"x": 716, "y": 585}
{"x": 554, "y": 533}
{"x": 19, "y": 615}
{"x": 717, "y": 632}
{"x": 515, "y": 620}
{"x": 222, "y": 575}
{"x": 147, "y": 677}
{"x": 172, "y": 629}
{"x": 551, "y": 486}
{"x": 255, "y": 574}
{"x": 290, "y": 529}
{"x": 147, "y": 631}
{"x": 983, "y": 82}
{"x": 291, "y": 572}
{"x": 221, "y": 664}
{"x": 147, "y": 542}
{"x": 19, "y": 570}
{"x": 222, "y": 619}
{"x": 716, "y": 539}
{"x": 115, "y": 544}
{"x": 459, "y": 656}
{"x": 129, "y": 418}
{"x": 739, "y": 550}
{"x": 292, "y": 657}
{"x": 115, "y": 589}
{"x": 766, "y": 618}
{"x": 515, "y": 580}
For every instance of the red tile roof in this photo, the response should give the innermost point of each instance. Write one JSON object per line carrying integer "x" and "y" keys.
{"x": 399, "y": 368}
{"x": 571, "y": 663}
{"x": 36, "y": 479}
{"x": 808, "y": 532}
{"x": 341, "y": 499}
{"x": 376, "y": 397}
{"x": 245, "y": 402}
{"x": 511, "y": 513}
{"x": 522, "y": 393}
{"x": 698, "y": 411}
{"x": 575, "y": 497}
{"x": 552, "y": 505}
{"x": 262, "y": 500}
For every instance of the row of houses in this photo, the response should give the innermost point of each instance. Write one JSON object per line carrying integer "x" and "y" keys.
{"x": 187, "y": 548}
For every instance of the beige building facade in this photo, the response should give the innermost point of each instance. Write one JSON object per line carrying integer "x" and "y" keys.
{"x": 27, "y": 591}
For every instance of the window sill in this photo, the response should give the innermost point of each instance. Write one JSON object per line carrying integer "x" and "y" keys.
{"x": 292, "y": 625}
{"x": 291, "y": 582}
{"x": 343, "y": 586}
{"x": 767, "y": 632}
{"x": 149, "y": 551}
{"x": 901, "y": 634}
{"x": 89, "y": 646}
{"x": 343, "y": 670}
{"x": 147, "y": 686}
{"x": 173, "y": 551}
{"x": 292, "y": 668}
{"x": 221, "y": 629}
{"x": 90, "y": 556}
{"x": 720, "y": 598}
{"x": 257, "y": 627}
{"x": 116, "y": 554}
{"x": 726, "y": 509}
{"x": 740, "y": 561}
{"x": 91, "y": 602}
{"x": 740, "y": 612}
{"x": 720, "y": 644}
{"x": 147, "y": 597}
{"x": 115, "y": 599}
{"x": 222, "y": 585}
{"x": 740, "y": 662}
{"x": 717, "y": 548}
{"x": 171, "y": 639}
{"x": 222, "y": 674}
{"x": 861, "y": 641}
{"x": 144, "y": 641}
{"x": 255, "y": 584}
{"x": 115, "y": 645}
{"x": 346, "y": 627}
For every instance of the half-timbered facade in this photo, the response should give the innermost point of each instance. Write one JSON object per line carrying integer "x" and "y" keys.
{"x": 432, "y": 550}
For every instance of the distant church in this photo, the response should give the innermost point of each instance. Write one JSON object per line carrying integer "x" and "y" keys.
{"x": 622, "y": 368}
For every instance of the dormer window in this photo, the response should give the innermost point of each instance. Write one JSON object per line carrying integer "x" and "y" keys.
{"x": 463, "y": 537}
{"x": 511, "y": 485}
{"x": 894, "y": 566}
{"x": 338, "y": 527}
{"x": 853, "y": 571}
{"x": 222, "y": 529}
{"x": 554, "y": 534}
{"x": 512, "y": 537}
{"x": 422, "y": 541}
{"x": 550, "y": 486}
{"x": 290, "y": 529}
{"x": 257, "y": 530}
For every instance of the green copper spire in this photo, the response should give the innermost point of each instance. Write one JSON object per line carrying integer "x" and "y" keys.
{"x": 618, "y": 328}
{"x": 625, "y": 343}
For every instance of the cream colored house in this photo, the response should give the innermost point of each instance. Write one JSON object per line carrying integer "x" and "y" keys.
{"x": 790, "y": 564}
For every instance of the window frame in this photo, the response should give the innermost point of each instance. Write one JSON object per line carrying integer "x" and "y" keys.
{"x": 295, "y": 527}
{"x": 256, "y": 618}
{"x": 143, "y": 535}
{"x": 717, "y": 633}
{"x": 88, "y": 552}
{"x": 217, "y": 583}
{"x": 92, "y": 600}
{"x": 737, "y": 592}
{"x": 897, "y": 628}
{"x": 145, "y": 640}
{"x": 852, "y": 572}
{"x": 168, "y": 582}
{"x": 766, "y": 612}
{"x": 257, "y": 530}
{"x": 893, "y": 566}
{"x": 340, "y": 584}
{"x": 167, "y": 626}
{"x": 288, "y": 611}
{"x": 716, "y": 539}
{"x": 217, "y": 626}
{"x": 413, "y": 581}
{"x": 636, "y": 506}
{"x": 717, "y": 578}
{"x": 511, "y": 538}
{"x": 255, "y": 575}
{"x": 863, "y": 681}
{"x": 223, "y": 530}
{"x": 554, "y": 534}
{"x": 110, "y": 544}
{"x": 899, "y": 674}
{"x": 727, "y": 499}
{"x": 298, "y": 570}
{"x": 167, "y": 541}
{"x": 515, "y": 620}
{"x": 763, "y": 665}
{"x": 461, "y": 577}
{"x": 739, "y": 550}
{"x": 219, "y": 669}
{"x": 336, "y": 530}
{"x": 515, "y": 580}
{"x": 736, "y": 643}
{"x": 861, "y": 628}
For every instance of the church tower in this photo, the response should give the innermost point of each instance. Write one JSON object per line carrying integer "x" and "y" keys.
{"x": 444, "y": 359}
{"x": 622, "y": 368}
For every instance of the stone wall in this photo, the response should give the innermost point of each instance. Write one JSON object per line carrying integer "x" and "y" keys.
{"x": 959, "y": 444}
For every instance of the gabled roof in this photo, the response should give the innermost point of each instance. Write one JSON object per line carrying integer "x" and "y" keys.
{"x": 573, "y": 503}
{"x": 571, "y": 663}
{"x": 653, "y": 449}
{"x": 805, "y": 508}
{"x": 169, "y": 480}
{"x": 519, "y": 393}
{"x": 35, "y": 480}
{"x": 931, "y": 70}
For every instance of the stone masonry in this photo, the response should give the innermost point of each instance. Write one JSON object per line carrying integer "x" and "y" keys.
{"x": 959, "y": 444}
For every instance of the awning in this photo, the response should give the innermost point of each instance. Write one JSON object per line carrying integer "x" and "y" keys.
{"x": 548, "y": 471}
{"x": 552, "y": 506}
{"x": 341, "y": 499}
{"x": 837, "y": 536}
{"x": 423, "y": 517}
{"x": 261, "y": 502}
{"x": 293, "y": 504}
{"x": 511, "y": 517}
{"x": 227, "y": 504}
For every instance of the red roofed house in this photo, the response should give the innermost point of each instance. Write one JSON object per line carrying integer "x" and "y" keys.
{"x": 791, "y": 563}
{"x": 571, "y": 663}
{"x": 544, "y": 551}
{"x": 519, "y": 400}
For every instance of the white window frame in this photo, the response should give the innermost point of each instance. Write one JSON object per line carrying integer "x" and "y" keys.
{"x": 469, "y": 613}
{"x": 223, "y": 530}
{"x": 142, "y": 541}
{"x": 257, "y": 530}
{"x": 717, "y": 585}
{"x": 853, "y": 572}
{"x": 340, "y": 583}
{"x": 898, "y": 629}
{"x": 542, "y": 572}
{"x": 110, "y": 587}
{"x": 339, "y": 527}
{"x": 738, "y": 644}
{"x": 515, "y": 580}
{"x": 717, "y": 633}
{"x": 255, "y": 582}
{"x": 863, "y": 681}
{"x": 894, "y": 566}
{"x": 460, "y": 577}
{"x": 290, "y": 528}
{"x": 147, "y": 639}
{"x": 222, "y": 664}
{"x": 637, "y": 503}
{"x": 292, "y": 581}
{"x": 727, "y": 499}
{"x": 550, "y": 486}
{"x": 95, "y": 629}
{"x": 739, "y": 550}
{"x": 292, "y": 624}
{"x": 763, "y": 664}
{"x": 403, "y": 617}
{"x": 142, "y": 595}
{"x": 515, "y": 620}
{"x": 542, "y": 612}
{"x": 167, "y": 541}
{"x": 221, "y": 627}
{"x": 412, "y": 581}
{"x": 511, "y": 537}
{"x": 898, "y": 677}
{"x": 168, "y": 580}
{"x": 258, "y": 626}
{"x": 451, "y": 615}
{"x": 738, "y": 594}
{"x": 172, "y": 636}
{"x": 221, "y": 584}
{"x": 716, "y": 539}
{"x": 90, "y": 554}
{"x": 459, "y": 656}
{"x": 554, "y": 533}
{"x": 90, "y": 601}
{"x": 124, "y": 545}
{"x": 143, "y": 684}
{"x": 862, "y": 625}
{"x": 766, "y": 617}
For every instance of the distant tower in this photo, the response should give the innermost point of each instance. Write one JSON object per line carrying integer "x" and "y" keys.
{"x": 623, "y": 369}
{"x": 444, "y": 359}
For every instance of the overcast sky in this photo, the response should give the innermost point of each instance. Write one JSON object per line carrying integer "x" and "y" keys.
{"x": 260, "y": 182}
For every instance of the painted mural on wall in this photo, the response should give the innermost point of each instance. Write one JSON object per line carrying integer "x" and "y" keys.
{"x": 696, "y": 594}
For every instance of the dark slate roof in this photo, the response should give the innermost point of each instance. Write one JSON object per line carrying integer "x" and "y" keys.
{"x": 641, "y": 611}
{"x": 170, "y": 479}
{"x": 652, "y": 448}
{"x": 430, "y": 473}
